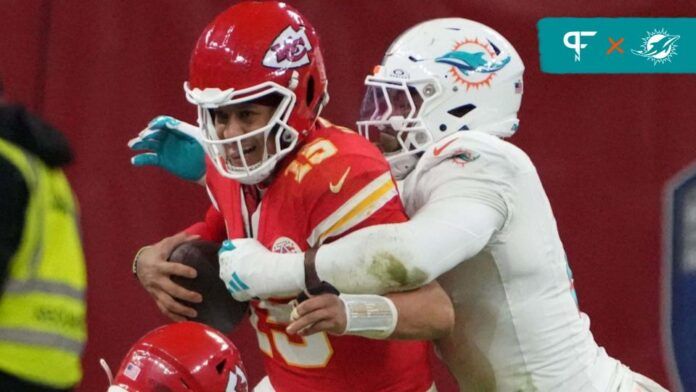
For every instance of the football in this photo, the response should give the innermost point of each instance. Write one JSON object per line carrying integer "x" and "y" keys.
{"x": 218, "y": 309}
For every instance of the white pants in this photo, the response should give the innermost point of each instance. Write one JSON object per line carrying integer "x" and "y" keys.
{"x": 265, "y": 386}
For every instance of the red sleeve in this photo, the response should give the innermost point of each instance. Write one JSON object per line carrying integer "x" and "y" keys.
{"x": 350, "y": 190}
{"x": 212, "y": 228}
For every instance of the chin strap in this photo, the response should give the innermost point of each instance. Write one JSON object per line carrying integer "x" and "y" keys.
{"x": 107, "y": 370}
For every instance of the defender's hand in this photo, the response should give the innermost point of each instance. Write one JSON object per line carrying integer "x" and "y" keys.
{"x": 367, "y": 315}
{"x": 325, "y": 312}
{"x": 172, "y": 145}
{"x": 154, "y": 273}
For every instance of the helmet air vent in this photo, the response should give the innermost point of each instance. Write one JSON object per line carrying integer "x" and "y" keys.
{"x": 461, "y": 111}
{"x": 220, "y": 366}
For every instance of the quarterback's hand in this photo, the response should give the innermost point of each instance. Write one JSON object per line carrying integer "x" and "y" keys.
{"x": 172, "y": 145}
{"x": 154, "y": 272}
{"x": 249, "y": 270}
{"x": 325, "y": 312}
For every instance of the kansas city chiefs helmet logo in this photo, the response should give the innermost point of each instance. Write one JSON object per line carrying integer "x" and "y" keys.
{"x": 289, "y": 50}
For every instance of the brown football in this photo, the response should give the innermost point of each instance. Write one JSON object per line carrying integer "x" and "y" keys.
{"x": 218, "y": 309}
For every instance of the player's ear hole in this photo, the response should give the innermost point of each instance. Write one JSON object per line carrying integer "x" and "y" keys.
{"x": 220, "y": 366}
{"x": 310, "y": 90}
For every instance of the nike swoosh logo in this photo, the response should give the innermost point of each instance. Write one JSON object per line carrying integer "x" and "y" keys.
{"x": 335, "y": 188}
{"x": 438, "y": 150}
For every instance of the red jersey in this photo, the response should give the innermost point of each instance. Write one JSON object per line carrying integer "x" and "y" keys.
{"x": 336, "y": 183}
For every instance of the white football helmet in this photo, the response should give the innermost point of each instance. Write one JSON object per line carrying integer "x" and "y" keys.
{"x": 439, "y": 77}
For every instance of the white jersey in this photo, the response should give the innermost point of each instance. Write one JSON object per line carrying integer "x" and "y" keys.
{"x": 482, "y": 225}
{"x": 518, "y": 327}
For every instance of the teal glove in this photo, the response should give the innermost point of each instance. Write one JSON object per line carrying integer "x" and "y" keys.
{"x": 235, "y": 285}
{"x": 173, "y": 145}
{"x": 250, "y": 270}
{"x": 227, "y": 245}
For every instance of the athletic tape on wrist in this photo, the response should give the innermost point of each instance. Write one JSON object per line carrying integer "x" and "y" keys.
{"x": 134, "y": 266}
{"x": 371, "y": 316}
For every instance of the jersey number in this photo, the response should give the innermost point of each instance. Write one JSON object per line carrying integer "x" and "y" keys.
{"x": 311, "y": 155}
{"x": 312, "y": 351}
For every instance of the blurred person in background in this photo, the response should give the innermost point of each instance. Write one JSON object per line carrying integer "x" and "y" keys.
{"x": 42, "y": 266}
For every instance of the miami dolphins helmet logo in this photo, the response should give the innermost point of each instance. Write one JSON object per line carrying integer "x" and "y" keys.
{"x": 658, "y": 47}
{"x": 474, "y": 63}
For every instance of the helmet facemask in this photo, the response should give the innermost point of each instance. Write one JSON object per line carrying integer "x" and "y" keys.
{"x": 390, "y": 118}
{"x": 237, "y": 157}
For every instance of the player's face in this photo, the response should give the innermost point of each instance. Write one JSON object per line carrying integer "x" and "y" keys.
{"x": 383, "y": 104}
{"x": 236, "y": 120}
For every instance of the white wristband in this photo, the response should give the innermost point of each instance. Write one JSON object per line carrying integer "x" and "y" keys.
{"x": 371, "y": 316}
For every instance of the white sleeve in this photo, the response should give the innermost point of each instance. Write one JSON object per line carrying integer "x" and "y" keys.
{"x": 457, "y": 204}
{"x": 452, "y": 227}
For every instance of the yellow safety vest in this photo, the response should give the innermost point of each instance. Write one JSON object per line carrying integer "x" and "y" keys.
{"x": 42, "y": 306}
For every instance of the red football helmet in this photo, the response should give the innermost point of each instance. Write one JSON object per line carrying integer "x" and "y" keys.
{"x": 250, "y": 51}
{"x": 182, "y": 357}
